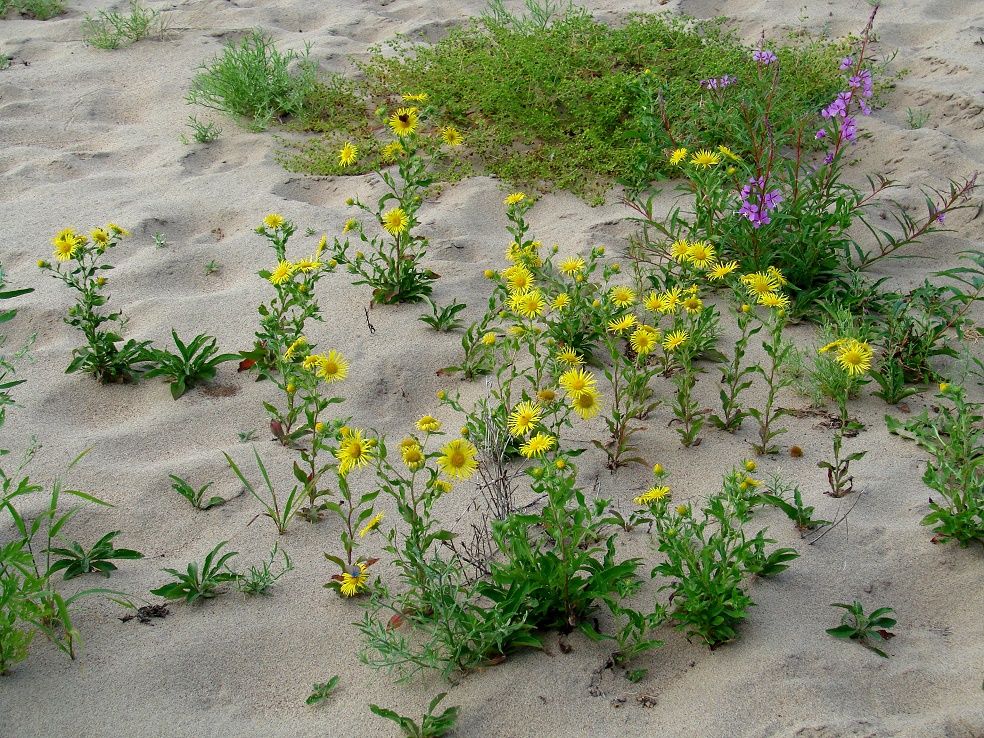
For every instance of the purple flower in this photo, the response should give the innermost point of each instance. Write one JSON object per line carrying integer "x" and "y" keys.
{"x": 822, "y": 133}
{"x": 941, "y": 218}
{"x": 757, "y": 208}
{"x": 846, "y": 63}
{"x": 764, "y": 57}
{"x": 828, "y": 158}
{"x": 718, "y": 83}
{"x": 849, "y": 129}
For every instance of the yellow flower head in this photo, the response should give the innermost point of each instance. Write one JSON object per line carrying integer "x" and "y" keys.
{"x": 617, "y": 325}
{"x": 721, "y": 271}
{"x": 831, "y": 346}
{"x": 657, "y": 469}
{"x": 515, "y": 198}
{"x": 66, "y": 244}
{"x": 451, "y": 137}
{"x": 392, "y": 150}
{"x": 725, "y": 151}
{"x": 429, "y": 424}
{"x": 586, "y": 404}
{"x": 528, "y": 304}
{"x": 622, "y": 297}
{"x": 354, "y": 580}
{"x": 396, "y": 221}
{"x": 354, "y": 451}
{"x": 413, "y": 455}
{"x": 644, "y": 339}
{"x": 524, "y": 417}
{"x": 292, "y": 349}
{"x": 777, "y": 275}
{"x": 457, "y": 459}
{"x": 282, "y": 273}
{"x": 347, "y": 155}
{"x": 758, "y": 283}
{"x": 572, "y": 265}
{"x": 537, "y": 446}
{"x": 308, "y": 264}
{"x": 672, "y": 298}
{"x": 570, "y": 357}
{"x": 546, "y": 396}
{"x": 404, "y": 121}
{"x": 371, "y": 524}
{"x": 332, "y": 368}
{"x": 944, "y": 386}
{"x": 273, "y": 221}
{"x": 519, "y": 278}
{"x": 561, "y": 301}
{"x": 310, "y": 362}
{"x": 98, "y": 235}
{"x": 675, "y": 340}
{"x": 653, "y": 302}
{"x": 701, "y": 254}
{"x": 680, "y": 250}
{"x": 577, "y": 381}
{"x": 705, "y": 159}
{"x": 653, "y": 494}
{"x": 775, "y": 300}
{"x": 419, "y": 97}
{"x": 677, "y": 156}
{"x": 117, "y": 230}
{"x": 488, "y": 339}
{"x": 855, "y": 357}
{"x": 692, "y": 304}
{"x": 750, "y": 466}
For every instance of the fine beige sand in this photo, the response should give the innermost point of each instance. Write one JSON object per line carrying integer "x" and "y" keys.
{"x": 91, "y": 136}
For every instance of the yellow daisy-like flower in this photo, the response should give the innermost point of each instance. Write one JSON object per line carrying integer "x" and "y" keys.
{"x": 653, "y": 302}
{"x": 561, "y": 301}
{"x": 705, "y": 159}
{"x": 308, "y": 264}
{"x": 546, "y": 396}
{"x": 750, "y": 466}
{"x": 725, "y": 151}
{"x": 354, "y": 580}
{"x": 282, "y": 273}
{"x": 354, "y": 451}
{"x": 392, "y": 150}
{"x": 758, "y": 283}
{"x": 310, "y": 362}
{"x": 692, "y": 304}
{"x": 577, "y": 381}
{"x": 273, "y": 221}
{"x": 622, "y": 297}
{"x": 519, "y": 279}
{"x": 721, "y": 271}
{"x": 396, "y": 221}
{"x": 528, "y": 304}
{"x": 350, "y": 225}
{"x": 680, "y": 250}
{"x": 442, "y": 486}
{"x": 98, "y": 235}
{"x": 429, "y": 424}
{"x": 66, "y": 244}
{"x": 419, "y": 97}
{"x": 677, "y": 156}
{"x": 412, "y": 454}
{"x": 672, "y": 298}
{"x": 831, "y": 346}
{"x": 586, "y": 403}
{"x": 644, "y": 339}
{"x": 571, "y": 266}
{"x": 292, "y": 349}
{"x": 333, "y": 367}
{"x": 347, "y": 155}
{"x": 450, "y": 136}
{"x": 488, "y": 339}
{"x": 404, "y": 121}
{"x": 775, "y": 300}
{"x": 371, "y": 524}
{"x": 777, "y": 275}
{"x": 457, "y": 459}
{"x": 570, "y": 357}
{"x": 617, "y": 325}
{"x": 524, "y": 418}
{"x": 117, "y": 230}
{"x": 537, "y": 446}
{"x": 701, "y": 254}
{"x": 675, "y": 340}
{"x": 653, "y": 494}
{"x": 855, "y": 357}
{"x": 515, "y": 198}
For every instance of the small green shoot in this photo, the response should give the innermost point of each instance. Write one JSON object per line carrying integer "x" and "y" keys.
{"x": 247, "y": 436}
{"x": 431, "y": 726}
{"x": 860, "y": 627}
{"x": 443, "y": 320}
{"x": 195, "y": 496}
{"x": 212, "y": 268}
{"x": 202, "y": 132}
{"x": 79, "y": 561}
{"x": 259, "y": 578}
{"x": 195, "y": 362}
{"x": 199, "y": 582}
{"x": 321, "y": 692}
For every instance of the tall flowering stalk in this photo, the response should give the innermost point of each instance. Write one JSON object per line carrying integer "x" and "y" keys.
{"x": 854, "y": 359}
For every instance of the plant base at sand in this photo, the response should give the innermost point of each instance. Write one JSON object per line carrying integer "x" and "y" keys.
{"x": 79, "y": 561}
{"x": 430, "y": 726}
{"x": 862, "y": 628}
{"x": 955, "y": 439}
{"x": 199, "y": 581}
{"x": 113, "y": 30}
{"x": 195, "y": 362}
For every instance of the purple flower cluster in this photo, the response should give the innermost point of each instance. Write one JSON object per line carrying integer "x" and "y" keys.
{"x": 764, "y": 57}
{"x": 839, "y": 111}
{"x": 718, "y": 83}
{"x": 755, "y": 207}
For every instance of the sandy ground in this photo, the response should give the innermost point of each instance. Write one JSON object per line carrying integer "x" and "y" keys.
{"x": 90, "y": 136}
